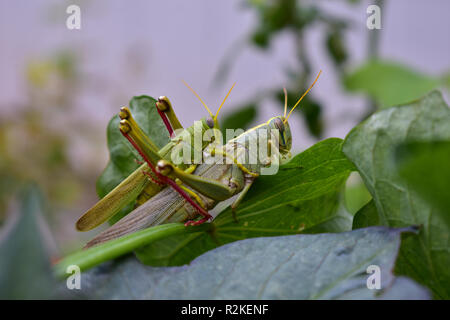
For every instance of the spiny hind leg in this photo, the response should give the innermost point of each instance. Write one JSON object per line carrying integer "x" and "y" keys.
{"x": 128, "y": 125}
{"x": 163, "y": 169}
{"x": 143, "y": 145}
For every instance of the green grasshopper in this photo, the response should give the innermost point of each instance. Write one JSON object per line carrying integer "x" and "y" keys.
{"x": 194, "y": 189}
{"x": 142, "y": 184}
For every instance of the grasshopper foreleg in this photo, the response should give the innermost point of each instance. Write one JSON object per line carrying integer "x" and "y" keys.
{"x": 248, "y": 183}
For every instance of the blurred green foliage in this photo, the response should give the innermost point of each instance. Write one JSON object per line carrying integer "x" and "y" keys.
{"x": 389, "y": 83}
{"x": 384, "y": 83}
{"x": 36, "y": 138}
{"x": 297, "y": 18}
{"x": 25, "y": 271}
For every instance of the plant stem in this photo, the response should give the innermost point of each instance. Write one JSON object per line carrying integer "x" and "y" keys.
{"x": 91, "y": 257}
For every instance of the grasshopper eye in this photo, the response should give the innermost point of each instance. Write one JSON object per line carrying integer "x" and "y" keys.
{"x": 279, "y": 124}
{"x": 210, "y": 122}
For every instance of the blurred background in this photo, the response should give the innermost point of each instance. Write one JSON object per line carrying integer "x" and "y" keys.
{"x": 60, "y": 87}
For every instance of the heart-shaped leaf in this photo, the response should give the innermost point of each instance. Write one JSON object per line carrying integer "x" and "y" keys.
{"x": 370, "y": 146}
{"x": 122, "y": 156}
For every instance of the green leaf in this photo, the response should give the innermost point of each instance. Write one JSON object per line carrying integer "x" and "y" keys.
{"x": 25, "y": 271}
{"x": 323, "y": 266}
{"x": 425, "y": 166}
{"x": 370, "y": 146}
{"x": 121, "y": 154}
{"x": 303, "y": 197}
{"x": 367, "y": 216}
{"x": 389, "y": 83}
{"x": 240, "y": 119}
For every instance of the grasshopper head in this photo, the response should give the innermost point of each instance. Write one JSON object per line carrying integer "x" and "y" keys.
{"x": 281, "y": 122}
{"x": 211, "y": 123}
{"x": 285, "y": 137}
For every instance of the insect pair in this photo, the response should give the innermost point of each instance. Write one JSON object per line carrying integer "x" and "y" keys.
{"x": 165, "y": 192}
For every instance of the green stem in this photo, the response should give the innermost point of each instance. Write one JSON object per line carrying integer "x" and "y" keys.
{"x": 91, "y": 257}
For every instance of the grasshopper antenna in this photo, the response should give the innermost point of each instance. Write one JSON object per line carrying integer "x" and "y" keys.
{"x": 203, "y": 103}
{"x": 225, "y": 99}
{"x": 303, "y": 96}
{"x": 285, "y": 102}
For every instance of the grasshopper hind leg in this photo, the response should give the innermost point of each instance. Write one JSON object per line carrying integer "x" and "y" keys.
{"x": 131, "y": 131}
{"x": 168, "y": 116}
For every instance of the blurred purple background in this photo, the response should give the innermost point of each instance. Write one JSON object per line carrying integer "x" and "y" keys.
{"x": 147, "y": 47}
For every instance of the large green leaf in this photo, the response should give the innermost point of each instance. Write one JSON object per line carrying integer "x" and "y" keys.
{"x": 323, "y": 266}
{"x": 370, "y": 146}
{"x": 426, "y": 168}
{"x": 121, "y": 154}
{"x": 303, "y": 197}
{"x": 390, "y": 83}
{"x": 25, "y": 271}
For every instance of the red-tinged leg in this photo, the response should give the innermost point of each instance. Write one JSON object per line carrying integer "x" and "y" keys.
{"x": 167, "y": 180}
{"x": 166, "y": 121}
{"x": 196, "y": 223}
{"x": 153, "y": 179}
{"x": 139, "y": 162}
{"x": 139, "y": 150}
{"x": 183, "y": 193}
